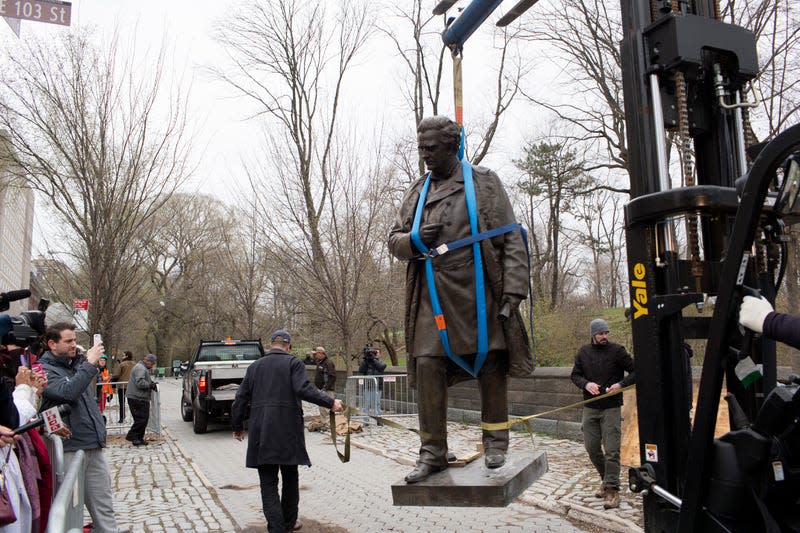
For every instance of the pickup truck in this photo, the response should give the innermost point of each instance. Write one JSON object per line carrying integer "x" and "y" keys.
{"x": 214, "y": 374}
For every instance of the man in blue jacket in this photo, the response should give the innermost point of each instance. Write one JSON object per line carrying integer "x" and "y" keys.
{"x": 70, "y": 379}
{"x": 273, "y": 388}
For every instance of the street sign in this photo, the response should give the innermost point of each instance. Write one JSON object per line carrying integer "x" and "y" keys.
{"x": 50, "y": 11}
{"x": 80, "y": 312}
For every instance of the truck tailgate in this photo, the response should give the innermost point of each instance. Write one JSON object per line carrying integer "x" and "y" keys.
{"x": 228, "y": 372}
{"x": 225, "y": 393}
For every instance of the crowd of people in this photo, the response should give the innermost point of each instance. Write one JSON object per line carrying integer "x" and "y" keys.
{"x": 25, "y": 464}
{"x": 61, "y": 372}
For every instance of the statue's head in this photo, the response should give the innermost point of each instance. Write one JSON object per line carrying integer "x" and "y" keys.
{"x": 437, "y": 140}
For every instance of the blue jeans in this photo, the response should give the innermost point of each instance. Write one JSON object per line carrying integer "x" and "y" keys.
{"x": 280, "y": 511}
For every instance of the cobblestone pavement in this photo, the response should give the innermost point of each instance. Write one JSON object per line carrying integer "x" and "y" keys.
{"x": 159, "y": 489}
{"x": 567, "y": 488}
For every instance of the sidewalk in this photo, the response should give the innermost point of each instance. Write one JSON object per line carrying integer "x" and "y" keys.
{"x": 159, "y": 490}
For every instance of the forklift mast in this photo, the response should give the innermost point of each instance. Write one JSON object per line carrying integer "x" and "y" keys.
{"x": 698, "y": 243}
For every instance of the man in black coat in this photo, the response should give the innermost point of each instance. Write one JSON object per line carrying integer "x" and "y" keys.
{"x": 600, "y": 369}
{"x": 324, "y": 379}
{"x": 273, "y": 388}
{"x": 372, "y": 365}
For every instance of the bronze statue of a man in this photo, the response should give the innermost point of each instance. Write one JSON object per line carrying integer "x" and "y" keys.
{"x": 444, "y": 218}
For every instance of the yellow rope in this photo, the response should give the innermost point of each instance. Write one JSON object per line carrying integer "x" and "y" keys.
{"x": 490, "y": 426}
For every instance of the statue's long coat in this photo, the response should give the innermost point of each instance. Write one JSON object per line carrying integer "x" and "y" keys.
{"x": 505, "y": 270}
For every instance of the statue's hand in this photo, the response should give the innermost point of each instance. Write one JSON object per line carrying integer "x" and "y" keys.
{"x": 429, "y": 233}
{"x": 508, "y": 305}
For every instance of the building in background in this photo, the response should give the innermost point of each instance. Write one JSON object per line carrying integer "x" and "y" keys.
{"x": 16, "y": 233}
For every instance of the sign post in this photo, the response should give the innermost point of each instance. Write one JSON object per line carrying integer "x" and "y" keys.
{"x": 49, "y": 11}
{"x": 80, "y": 314}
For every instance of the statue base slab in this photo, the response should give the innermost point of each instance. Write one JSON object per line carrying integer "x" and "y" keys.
{"x": 474, "y": 485}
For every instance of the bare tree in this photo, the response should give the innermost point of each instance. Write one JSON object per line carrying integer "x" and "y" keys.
{"x": 553, "y": 173}
{"x": 180, "y": 253}
{"x": 87, "y": 133}
{"x": 585, "y": 35}
{"x": 776, "y": 25}
{"x": 283, "y": 53}
{"x": 333, "y": 292}
{"x": 426, "y": 59}
{"x": 246, "y": 259}
{"x": 602, "y": 218}
{"x": 422, "y": 55}
{"x": 291, "y": 59}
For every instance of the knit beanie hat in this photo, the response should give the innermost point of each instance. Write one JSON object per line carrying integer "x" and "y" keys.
{"x": 598, "y": 325}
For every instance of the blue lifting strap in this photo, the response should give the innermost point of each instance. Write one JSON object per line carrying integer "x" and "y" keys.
{"x": 480, "y": 293}
{"x": 466, "y": 241}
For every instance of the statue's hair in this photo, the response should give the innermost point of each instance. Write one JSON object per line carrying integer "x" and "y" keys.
{"x": 449, "y": 129}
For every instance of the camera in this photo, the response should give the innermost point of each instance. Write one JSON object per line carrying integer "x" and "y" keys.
{"x": 369, "y": 352}
{"x": 25, "y": 329}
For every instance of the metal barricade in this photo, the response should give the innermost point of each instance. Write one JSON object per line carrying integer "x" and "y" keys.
{"x": 55, "y": 450}
{"x": 387, "y": 395}
{"x": 112, "y": 409}
{"x": 66, "y": 513}
{"x": 398, "y": 398}
{"x": 363, "y": 393}
{"x": 154, "y": 422}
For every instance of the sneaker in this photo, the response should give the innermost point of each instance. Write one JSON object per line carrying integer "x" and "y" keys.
{"x": 600, "y": 492}
{"x": 611, "y": 500}
{"x": 298, "y": 525}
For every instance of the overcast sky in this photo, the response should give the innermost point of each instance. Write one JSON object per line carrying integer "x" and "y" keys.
{"x": 224, "y": 137}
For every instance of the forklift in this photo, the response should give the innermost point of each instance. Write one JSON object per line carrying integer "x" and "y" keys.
{"x": 686, "y": 72}
{"x": 693, "y": 252}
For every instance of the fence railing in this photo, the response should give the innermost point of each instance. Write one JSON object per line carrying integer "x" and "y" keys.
{"x": 386, "y": 395}
{"x": 55, "y": 450}
{"x": 66, "y": 513}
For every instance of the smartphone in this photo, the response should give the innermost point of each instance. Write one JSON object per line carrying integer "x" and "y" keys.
{"x": 97, "y": 339}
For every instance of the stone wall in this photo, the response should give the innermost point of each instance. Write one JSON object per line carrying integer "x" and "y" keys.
{"x": 549, "y": 388}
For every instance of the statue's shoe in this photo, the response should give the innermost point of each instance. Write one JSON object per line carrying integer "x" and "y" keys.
{"x": 494, "y": 459}
{"x": 422, "y": 471}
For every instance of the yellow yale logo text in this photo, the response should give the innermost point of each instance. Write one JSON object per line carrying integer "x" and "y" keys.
{"x": 639, "y": 291}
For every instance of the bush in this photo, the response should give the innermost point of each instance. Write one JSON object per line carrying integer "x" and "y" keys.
{"x": 558, "y": 334}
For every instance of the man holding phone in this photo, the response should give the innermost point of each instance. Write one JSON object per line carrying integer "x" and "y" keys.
{"x": 71, "y": 377}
